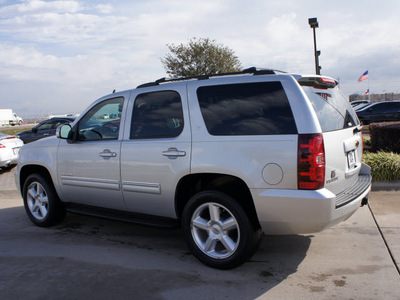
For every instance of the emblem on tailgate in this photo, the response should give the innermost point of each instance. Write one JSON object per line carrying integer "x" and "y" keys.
{"x": 333, "y": 177}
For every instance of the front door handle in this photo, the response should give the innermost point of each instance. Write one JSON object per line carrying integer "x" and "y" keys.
{"x": 173, "y": 153}
{"x": 107, "y": 153}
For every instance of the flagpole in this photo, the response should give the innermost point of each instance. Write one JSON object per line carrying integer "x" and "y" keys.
{"x": 369, "y": 91}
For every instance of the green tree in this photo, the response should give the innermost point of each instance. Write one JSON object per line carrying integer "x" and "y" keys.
{"x": 199, "y": 57}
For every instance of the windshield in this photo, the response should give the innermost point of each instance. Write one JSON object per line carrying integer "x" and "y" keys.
{"x": 361, "y": 106}
{"x": 333, "y": 110}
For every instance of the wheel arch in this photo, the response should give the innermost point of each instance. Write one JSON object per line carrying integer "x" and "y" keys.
{"x": 233, "y": 186}
{"x": 32, "y": 169}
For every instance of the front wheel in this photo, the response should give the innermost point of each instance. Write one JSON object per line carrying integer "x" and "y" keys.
{"x": 218, "y": 231}
{"x": 41, "y": 201}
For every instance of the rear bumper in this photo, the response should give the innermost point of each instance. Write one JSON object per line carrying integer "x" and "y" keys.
{"x": 298, "y": 211}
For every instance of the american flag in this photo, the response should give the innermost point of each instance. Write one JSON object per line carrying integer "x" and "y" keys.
{"x": 363, "y": 76}
{"x": 366, "y": 92}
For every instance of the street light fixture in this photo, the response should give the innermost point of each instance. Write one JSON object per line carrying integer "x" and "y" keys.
{"x": 313, "y": 22}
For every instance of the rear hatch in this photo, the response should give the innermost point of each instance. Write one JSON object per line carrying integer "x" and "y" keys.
{"x": 341, "y": 133}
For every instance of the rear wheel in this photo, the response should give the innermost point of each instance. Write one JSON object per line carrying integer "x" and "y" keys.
{"x": 41, "y": 202}
{"x": 218, "y": 231}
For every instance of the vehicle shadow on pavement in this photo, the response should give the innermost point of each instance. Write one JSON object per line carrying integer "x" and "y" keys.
{"x": 96, "y": 258}
{"x": 4, "y": 170}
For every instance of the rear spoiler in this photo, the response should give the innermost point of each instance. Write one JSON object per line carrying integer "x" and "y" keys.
{"x": 319, "y": 82}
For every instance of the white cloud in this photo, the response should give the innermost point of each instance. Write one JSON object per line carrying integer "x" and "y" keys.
{"x": 104, "y": 8}
{"x": 39, "y": 6}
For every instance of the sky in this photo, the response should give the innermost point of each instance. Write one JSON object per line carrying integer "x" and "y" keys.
{"x": 57, "y": 57}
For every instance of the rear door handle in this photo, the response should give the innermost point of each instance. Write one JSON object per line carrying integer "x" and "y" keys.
{"x": 107, "y": 153}
{"x": 173, "y": 152}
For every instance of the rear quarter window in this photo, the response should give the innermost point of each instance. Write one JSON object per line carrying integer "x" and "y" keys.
{"x": 246, "y": 109}
{"x": 333, "y": 110}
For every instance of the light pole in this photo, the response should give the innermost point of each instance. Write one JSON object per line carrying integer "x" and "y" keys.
{"x": 314, "y": 24}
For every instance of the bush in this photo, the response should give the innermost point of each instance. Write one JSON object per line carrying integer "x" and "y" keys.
{"x": 385, "y": 137}
{"x": 367, "y": 142}
{"x": 385, "y": 166}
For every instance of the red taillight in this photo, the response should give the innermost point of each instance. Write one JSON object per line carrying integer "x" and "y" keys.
{"x": 311, "y": 162}
{"x": 2, "y": 146}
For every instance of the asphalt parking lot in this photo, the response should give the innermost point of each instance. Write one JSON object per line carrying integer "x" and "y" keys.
{"x": 90, "y": 258}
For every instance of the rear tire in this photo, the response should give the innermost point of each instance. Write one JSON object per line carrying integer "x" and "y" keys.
{"x": 41, "y": 201}
{"x": 218, "y": 231}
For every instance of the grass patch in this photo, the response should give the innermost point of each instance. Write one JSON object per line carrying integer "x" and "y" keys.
{"x": 14, "y": 130}
{"x": 385, "y": 166}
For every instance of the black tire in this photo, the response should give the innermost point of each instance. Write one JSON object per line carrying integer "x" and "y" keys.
{"x": 223, "y": 241}
{"x": 41, "y": 201}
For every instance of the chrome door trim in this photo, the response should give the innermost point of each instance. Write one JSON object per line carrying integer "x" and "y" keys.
{"x": 141, "y": 187}
{"x": 91, "y": 182}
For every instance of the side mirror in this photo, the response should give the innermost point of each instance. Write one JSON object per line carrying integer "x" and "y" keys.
{"x": 63, "y": 131}
{"x": 34, "y": 130}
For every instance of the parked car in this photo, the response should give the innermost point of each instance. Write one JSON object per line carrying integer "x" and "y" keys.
{"x": 379, "y": 112}
{"x": 226, "y": 156}
{"x": 43, "y": 129}
{"x": 9, "y": 148}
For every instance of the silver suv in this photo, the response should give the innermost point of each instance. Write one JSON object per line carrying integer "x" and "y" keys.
{"x": 227, "y": 157}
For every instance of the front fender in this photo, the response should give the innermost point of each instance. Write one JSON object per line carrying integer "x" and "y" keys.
{"x": 39, "y": 156}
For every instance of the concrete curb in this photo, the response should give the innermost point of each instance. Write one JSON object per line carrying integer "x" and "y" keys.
{"x": 386, "y": 185}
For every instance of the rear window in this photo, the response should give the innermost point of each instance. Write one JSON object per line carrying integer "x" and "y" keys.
{"x": 333, "y": 110}
{"x": 246, "y": 109}
{"x": 157, "y": 115}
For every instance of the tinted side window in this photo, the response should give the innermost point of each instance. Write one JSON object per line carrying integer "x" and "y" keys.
{"x": 157, "y": 115}
{"x": 246, "y": 109}
{"x": 382, "y": 107}
{"x": 45, "y": 126}
{"x": 58, "y": 123}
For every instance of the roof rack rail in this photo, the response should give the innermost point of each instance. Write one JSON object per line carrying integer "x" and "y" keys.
{"x": 252, "y": 70}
